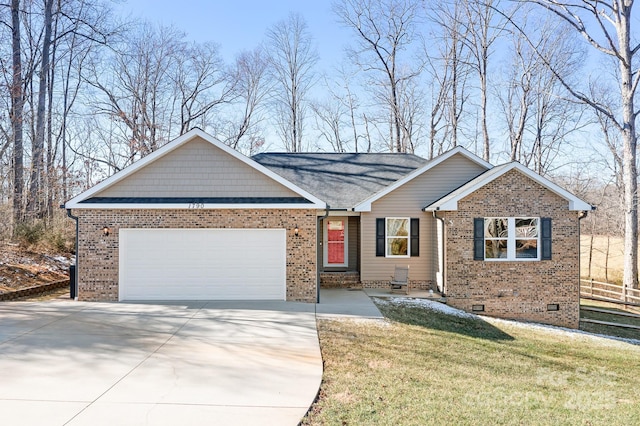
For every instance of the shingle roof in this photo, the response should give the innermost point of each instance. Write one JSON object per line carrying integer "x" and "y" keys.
{"x": 341, "y": 180}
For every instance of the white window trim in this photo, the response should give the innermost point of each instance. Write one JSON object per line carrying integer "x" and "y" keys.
{"x": 511, "y": 241}
{"x": 325, "y": 239}
{"x": 386, "y": 238}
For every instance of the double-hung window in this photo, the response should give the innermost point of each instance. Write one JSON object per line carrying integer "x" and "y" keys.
{"x": 397, "y": 237}
{"x": 511, "y": 238}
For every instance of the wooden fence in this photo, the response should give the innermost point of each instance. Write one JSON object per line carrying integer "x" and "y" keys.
{"x": 607, "y": 292}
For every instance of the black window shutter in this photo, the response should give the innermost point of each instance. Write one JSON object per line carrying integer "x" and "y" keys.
{"x": 545, "y": 240}
{"x": 415, "y": 237}
{"x": 380, "y": 236}
{"x": 478, "y": 238}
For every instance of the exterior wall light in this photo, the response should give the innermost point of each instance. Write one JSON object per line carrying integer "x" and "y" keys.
{"x": 106, "y": 231}
{"x": 296, "y": 231}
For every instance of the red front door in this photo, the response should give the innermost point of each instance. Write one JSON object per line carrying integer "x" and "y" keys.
{"x": 335, "y": 242}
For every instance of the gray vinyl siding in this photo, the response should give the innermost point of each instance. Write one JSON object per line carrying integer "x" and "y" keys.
{"x": 408, "y": 201}
{"x": 197, "y": 169}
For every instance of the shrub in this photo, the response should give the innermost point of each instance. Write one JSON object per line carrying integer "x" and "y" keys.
{"x": 58, "y": 237}
{"x": 29, "y": 234}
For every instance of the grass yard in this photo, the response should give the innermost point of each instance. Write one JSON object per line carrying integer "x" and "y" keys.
{"x": 427, "y": 367}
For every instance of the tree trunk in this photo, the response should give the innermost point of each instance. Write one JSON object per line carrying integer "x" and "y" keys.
{"x": 629, "y": 138}
{"x": 17, "y": 105}
{"x": 483, "y": 110}
{"x": 34, "y": 203}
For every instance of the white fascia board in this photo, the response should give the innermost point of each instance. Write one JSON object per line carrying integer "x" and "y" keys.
{"x": 365, "y": 206}
{"x": 181, "y": 140}
{"x": 450, "y": 202}
{"x": 133, "y": 206}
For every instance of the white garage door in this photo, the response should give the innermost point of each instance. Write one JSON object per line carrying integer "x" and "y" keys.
{"x": 202, "y": 264}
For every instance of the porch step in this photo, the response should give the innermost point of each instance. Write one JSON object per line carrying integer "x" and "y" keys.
{"x": 349, "y": 279}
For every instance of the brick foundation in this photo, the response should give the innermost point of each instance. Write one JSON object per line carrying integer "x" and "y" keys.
{"x": 416, "y": 285}
{"x": 349, "y": 279}
{"x": 98, "y": 263}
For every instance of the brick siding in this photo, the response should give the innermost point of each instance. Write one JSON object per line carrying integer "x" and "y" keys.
{"x": 512, "y": 289}
{"x": 98, "y": 263}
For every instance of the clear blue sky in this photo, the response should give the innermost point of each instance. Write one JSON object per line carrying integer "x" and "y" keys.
{"x": 238, "y": 25}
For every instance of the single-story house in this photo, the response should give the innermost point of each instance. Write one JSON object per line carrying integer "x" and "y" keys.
{"x": 198, "y": 220}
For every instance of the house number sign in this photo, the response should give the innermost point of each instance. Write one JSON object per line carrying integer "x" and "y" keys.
{"x": 196, "y": 205}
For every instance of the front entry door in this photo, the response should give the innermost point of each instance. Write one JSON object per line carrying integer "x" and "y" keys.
{"x": 335, "y": 242}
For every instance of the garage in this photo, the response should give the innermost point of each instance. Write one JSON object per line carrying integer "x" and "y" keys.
{"x": 202, "y": 264}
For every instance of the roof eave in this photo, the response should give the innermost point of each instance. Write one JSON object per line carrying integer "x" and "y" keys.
{"x": 189, "y": 206}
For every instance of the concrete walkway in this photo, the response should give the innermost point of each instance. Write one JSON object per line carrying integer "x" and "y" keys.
{"x": 346, "y": 303}
{"x": 357, "y": 303}
{"x": 227, "y": 363}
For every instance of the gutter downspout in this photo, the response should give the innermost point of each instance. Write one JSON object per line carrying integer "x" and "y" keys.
{"x": 444, "y": 253}
{"x": 319, "y": 256}
{"x": 75, "y": 284}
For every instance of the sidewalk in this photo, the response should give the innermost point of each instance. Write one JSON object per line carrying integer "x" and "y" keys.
{"x": 346, "y": 303}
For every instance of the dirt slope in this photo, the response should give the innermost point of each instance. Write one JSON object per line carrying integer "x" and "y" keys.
{"x": 20, "y": 268}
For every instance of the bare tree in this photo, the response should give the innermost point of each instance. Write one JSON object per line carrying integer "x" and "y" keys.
{"x": 440, "y": 82}
{"x": 137, "y": 89}
{"x": 17, "y": 115}
{"x": 292, "y": 57}
{"x": 337, "y": 116}
{"x": 385, "y": 29}
{"x": 539, "y": 114}
{"x": 152, "y": 87}
{"x": 34, "y": 200}
{"x": 202, "y": 83}
{"x": 516, "y": 94}
{"x": 452, "y": 71}
{"x": 252, "y": 85}
{"x": 350, "y": 100}
{"x": 482, "y": 27}
{"x": 607, "y": 27}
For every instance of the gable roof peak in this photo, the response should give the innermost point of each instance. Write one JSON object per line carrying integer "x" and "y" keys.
{"x": 450, "y": 201}
{"x": 365, "y": 205}
{"x": 172, "y": 146}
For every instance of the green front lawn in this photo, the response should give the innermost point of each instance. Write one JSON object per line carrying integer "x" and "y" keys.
{"x": 430, "y": 368}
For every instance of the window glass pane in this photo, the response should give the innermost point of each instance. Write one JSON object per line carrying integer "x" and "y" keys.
{"x": 496, "y": 228}
{"x": 397, "y": 227}
{"x": 526, "y": 228}
{"x": 495, "y": 249}
{"x": 527, "y": 249}
{"x": 397, "y": 246}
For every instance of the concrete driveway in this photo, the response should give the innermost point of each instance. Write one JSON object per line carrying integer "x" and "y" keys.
{"x": 194, "y": 363}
